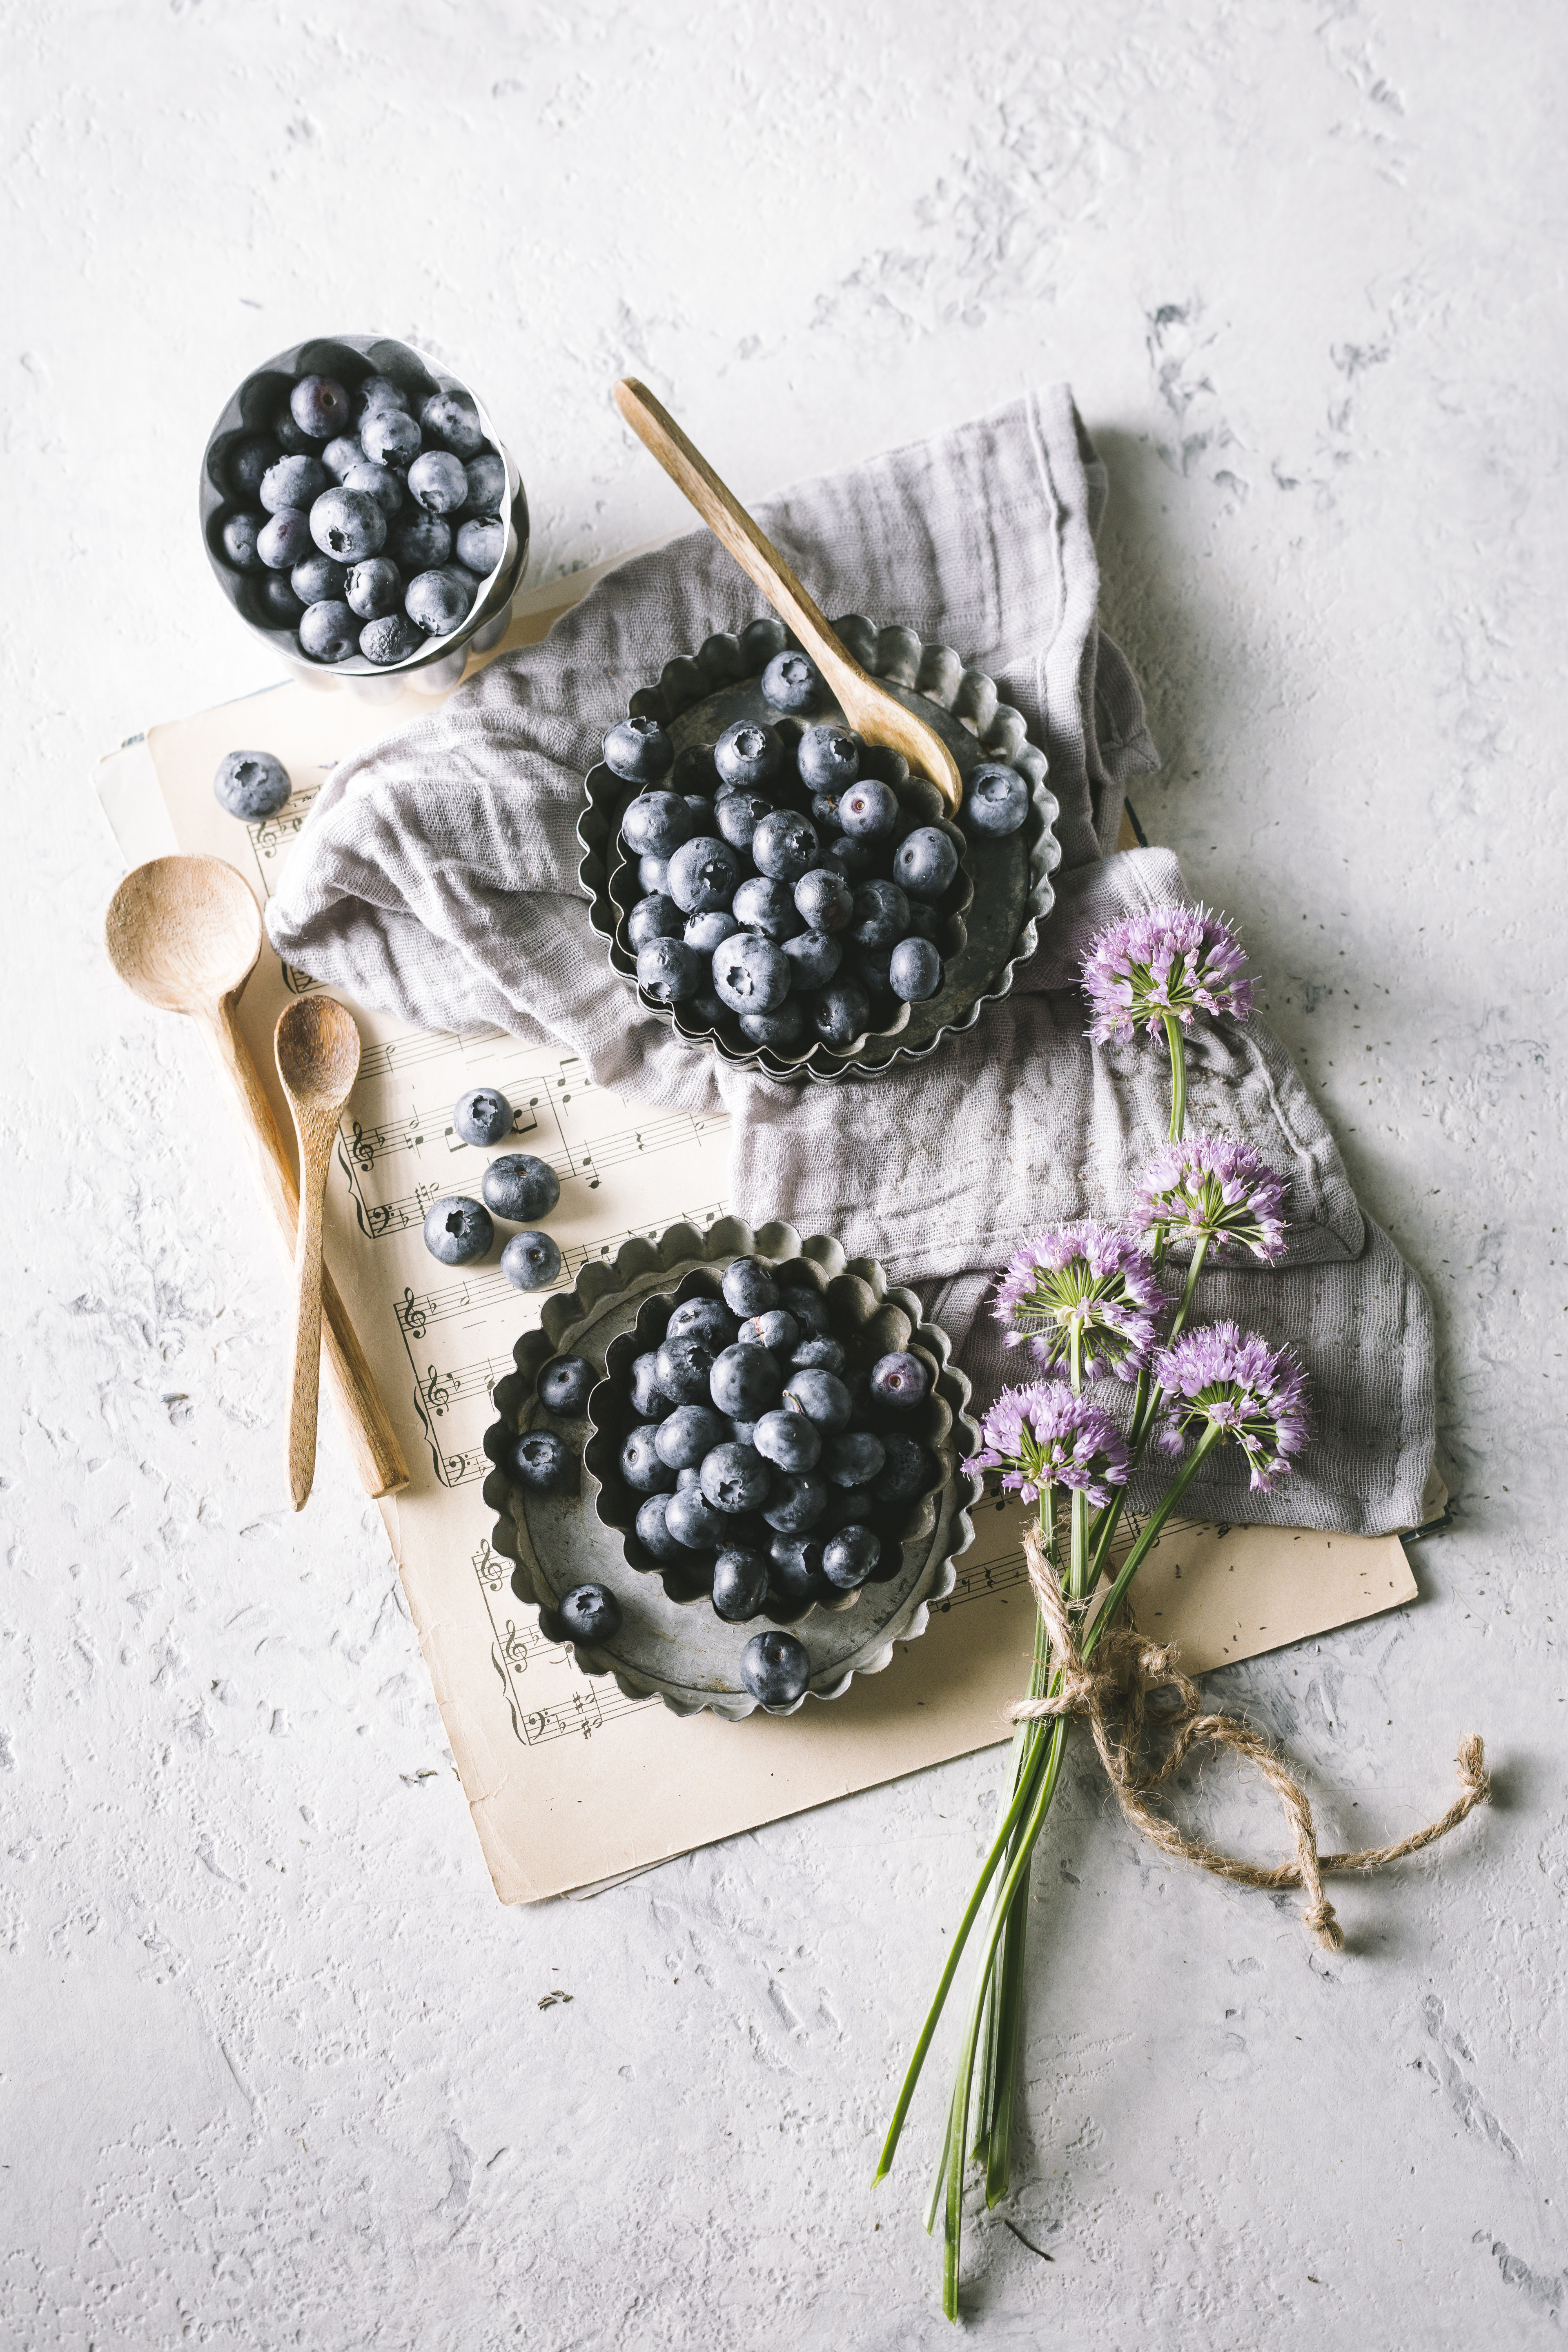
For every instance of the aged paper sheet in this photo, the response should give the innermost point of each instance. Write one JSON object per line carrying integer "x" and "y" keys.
{"x": 569, "y": 1784}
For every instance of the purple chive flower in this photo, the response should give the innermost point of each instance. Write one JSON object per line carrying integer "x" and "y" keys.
{"x": 1209, "y": 1190}
{"x": 1046, "y": 1436}
{"x": 1174, "y": 963}
{"x": 1088, "y": 1278}
{"x": 1221, "y": 1376}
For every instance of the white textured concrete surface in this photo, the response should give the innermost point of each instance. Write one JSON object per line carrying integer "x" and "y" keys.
{"x": 276, "y": 2070}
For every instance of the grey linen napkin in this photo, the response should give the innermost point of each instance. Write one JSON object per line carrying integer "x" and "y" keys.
{"x": 435, "y": 877}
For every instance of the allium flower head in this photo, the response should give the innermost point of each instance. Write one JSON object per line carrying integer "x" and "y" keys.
{"x": 1045, "y": 1435}
{"x": 1208, "y": 1190}
{"x": 1222, "y": 1377}
{"x": 1178, "y": 961}
{"x": 1089, "y": 1279}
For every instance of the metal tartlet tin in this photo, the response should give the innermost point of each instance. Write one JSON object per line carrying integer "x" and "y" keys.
{"x": 671, "y": 1644}
{"x": 1004, "y": 887}
{"x": 439, "y": 662}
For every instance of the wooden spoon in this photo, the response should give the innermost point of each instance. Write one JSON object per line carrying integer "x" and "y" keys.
{"x": 317, "y": 1047}
{"x": 184, "y": 934}
{"x": 869, "y": 708}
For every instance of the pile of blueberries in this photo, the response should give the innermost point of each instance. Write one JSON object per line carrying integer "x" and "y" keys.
{"x": 778, "y": 885}
{"x": 516, "y": 1186}
{"x": 367, "y": 529}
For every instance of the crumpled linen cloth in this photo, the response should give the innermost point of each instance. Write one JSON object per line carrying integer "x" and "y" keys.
{"x": 436, "y": 878}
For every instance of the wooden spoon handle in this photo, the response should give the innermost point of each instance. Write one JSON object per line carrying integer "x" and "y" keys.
{"x": 305, "y": 1368}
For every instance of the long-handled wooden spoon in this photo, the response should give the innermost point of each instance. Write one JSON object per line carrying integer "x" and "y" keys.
{"x": 870, "y": 710}
{"x": 184, "y": 934}
{"x": 316, "y": 1047}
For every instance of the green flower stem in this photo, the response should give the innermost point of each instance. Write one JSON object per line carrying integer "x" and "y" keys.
{"x": 1148, "y": 1535}
{"x": 1178, "y": 1076}
{"x": 1145, "y": 1402}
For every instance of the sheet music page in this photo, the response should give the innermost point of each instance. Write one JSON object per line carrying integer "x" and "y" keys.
{"x": 568, "y": 1782}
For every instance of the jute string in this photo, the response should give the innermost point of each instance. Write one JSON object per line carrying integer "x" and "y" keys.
{"x": 1113, "y": 1689}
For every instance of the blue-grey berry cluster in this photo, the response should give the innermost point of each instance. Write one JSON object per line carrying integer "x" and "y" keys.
{"x": 518, "y": 1188}
{"x": 368, "y": 528}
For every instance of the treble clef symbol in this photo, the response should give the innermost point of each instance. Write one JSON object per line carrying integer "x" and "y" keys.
{"x": 411, "y": 1318}
{"x": 363, "y": 1151}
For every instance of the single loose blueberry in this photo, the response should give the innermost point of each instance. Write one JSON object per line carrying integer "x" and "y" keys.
{"x": 693, "y": 1522}
{"x": 751, "y": 973}
{"x": 907, "y": 1471}
{"x": 828, "y": 759}
{"x": 840, "y": 1013}
{"x": 647, "y": 1397}
{"x": 853, "y": 1458}
{"x": 880, "y": 915}
{"x": 588, "y": 1613}
{"x": 317, "y": 580}
{"x": 784, "y": 1028}
{"x": 821, "y": 1396}
{"x": 251, "y": 785}
{"x": 689, "y": 1435}
{"x": 520, "y": 1188}
{"x": 658, "y": 917}
{"x": 329, "y": 632}
{"x": 656, "y": 824}
{"x": 372, "y": 589}
{"x": 437, "y": 482}
{"x": 735, "y": 1478}
{"x": 458, "y": 1231}
{"x": 744, "y": 1382}
{"x": 775, "y": 1669}
{"x": 749, "y": 1287}
{"x": 815, "y": 957}
{"x": 348, "y": 524}
{"x": 784, "y": 846}
{"x": 924, "y": 863}
{"x": 788, "y": 1440}
{"x": 376, "y": 392}
{"x": 542, "y": 1460}
{"x": 748, "y": 756}
{"x": 997, "y": 800}
{"x": 531, "y": 1261}
{"x": 703, "y": 874}
{"x": 816, "y": 1354}
{"x": 790, "y": 683}
{"x": 639, "y": 751}
{"x": 855, "y": 860}
{"x": 772, "y": 1329}
{"x": 848, "y": 1556}
{"x": 653, "y": 1533}
{"x": 283, "y": 539}
{"x": 566, "y": 1385}
{"x": 390, "y": 438}
{"x": 914, "y": 970}
{"x": 390, "y": 639}
{"x": 739, "y": 1584}
{"x": 709, "y": 1317}
{"x": 900, "y": 1380}
{"x": 643, "y": 1467}
{"x": 482, "y": 543}
{"x": 825, "y": 899}
{"x": 684, "y": 1369}
{"x": 437, "y": 604}
{"x": 669, "y": 972}
{"x": 737, "y": 815}
{"x": 768, "y": 907}
{"x": 280, "y": 605}
{"x": 377, "y": 482}
{"x": 252, "y": 456}
{"x": 796, "y": 1500}
{"x": 420, "y": 542}
{"x": 319, "y": 407}
{"x": 808, "y": 1307}
{"x": 482, "y": 1116}
{"x": 239, "y": 540}
{"x": 868, "y": 811}
{"x": 294, "y": 482}
{"x": 710, "y": 930}
{"x": 451, "y": 419}
{"x": 341, "y": 456}
{"x": 487, "y": 483}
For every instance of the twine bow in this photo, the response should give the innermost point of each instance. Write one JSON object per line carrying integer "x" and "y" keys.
{"x": 1117, "y": 1683}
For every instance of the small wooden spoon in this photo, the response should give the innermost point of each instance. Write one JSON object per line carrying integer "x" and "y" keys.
{"x": 184, "y": 933}
{"x": 869, "y": 708}
{"x": 316, "y": 1047}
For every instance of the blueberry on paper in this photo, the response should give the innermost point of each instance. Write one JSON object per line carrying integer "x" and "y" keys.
{"x": 744, "y": 1382}
{"x": 239, "y": 540}
{"x": 735, "y": 1478}
{"x": 881, "y": 915}
{"x": 751, "y": 973}
{"x": 785, "y": 846}
{"x": 451, "y": 419}
{"x": 709, "y": 1319}
{"x": 487, "y": 483}
{"x": 669, "y": 972}
{"x": 900, "y": 1380}
{"x": 788, "y": 1440}
{"x": 840, "y": 1013}
{"x": 760, "y": 905}
{"x": 784, "y": 1028}
{"x": 853, "y": 1458}
{"x": 821, "y": 1396}
{"x": 848, "y": 1556}
{"x": 329, "y": 632}
{"x": 653, "y": 1531}
{"x": 657, "y": 823}
{"x": 482, "y": 1116}
{"x": 924, "y": 863}
{"x": 686, "y": 1436}
{"x": 748, "y": 1286}
{"x": 541, "y": 1460}
{"x": 293, "y": 482}
{"x": 319, "y": 407}
{"x": 775, "y": 1669}
{"x": 709, "y": 930}
{"x": 339, "y": 456}
{"x": 658, "y": 917}
{"x": 388, "y": 438}
{"x": 790, "y": 683}
{"x": 739, "y": 1584}
{"x": 643, "y": 1467}
{"x": 252, "y": 456}
{"x": 693, "y": 1522}
{"x": 796, "y": 1500}
{"x": 377, "y": 482}
{"x": 703, "y": 874}
{"x": 435, "y": 603}
{"x": 317, "y": 580}
{"x": 283, "y": 538}
{"x": 251, "y": 785}
{"x": 997, "y": 800}
{"x": 458, "y": 1231}
{"x": 519, "y": 1187}
{"x": 372, "y": 589}
{"x": 814, "y": 958}
{"x": 868, "y": 811}
{"x": 828, "y": 759}
{"x": 531, "y": 1261}
{"x": 748, "y": 757}
{"x": 564, "y": 1386}
{"x": 589, "y": 1612}
{"x": 482, "y": 543}
{"x": 420, "y": 542}
{"x": 437, "y": 482}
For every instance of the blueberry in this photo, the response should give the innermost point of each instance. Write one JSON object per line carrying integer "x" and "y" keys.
{"x": 689, "y": 1435}
{"x": 739, "y": 1584}
{"x": 817, "y": 1354}
{"x": 785, "y": 846}
{"x": 339, "y": 456}
{"x": 692, "y": 1520}
{"x": 656, "y": 824}
{"x": 542, "y": 1460}
{"x": 643, "y": 1467}
{"x": 588, "y": 1613}
{"x": 565, "y": 1385}
{"x": 790, "y": 683}
{"x": 744, "y": 1382}
{"x": 277, "y": 601}
{"x": 287, "y": 436}
{"x": 283, "y": 539}
{"x": 293, "y": 482}
{"x": 854, "y": 859}
{"x": 377, "y": 392}
{"x": 237, "y": 539}
{"x": 647, "y": 1396}
{"x": 925, "y": 922}
{"x": 251, "y": 785}
{"x": 531, "y": 1261}
{"x": 709, "y": 1317}
{"x": 348, "y": 524}
{"x": 481, "y": 1116}
{"x": 389, "y": 639}
{"x": 815, "y": 957}
{"x": 840, "y": 1013}
{"x": 317, "y": 580}
{"x": 997, "y": 800}
{"x": 751, "y": 973}
{"x": 868, "y": 811}
{"x": 880, "y": 915}
{"x": 710, "y": 930}
{"x": 377, "y": 482}
{"x": 329, "y": 632}
{"x": 639, "y": 751}
{"x": 828, "y": 759}
{"x": 689, "y": 1477}
{"x": 319, "y": 407}
{"x": 252, "y": 456}
{"x": 669, "y": 972}
{"x": 796, "y": 1563}
{"x": 372, "y": 589}
{"x": 871, "y": 968}
{"x": 825, "y": 898}
{"x": 390, "y": 438}
{"x": 748, "y": 1287}
{"x": 658, "y": 917}
{"x": 848, "y": 1556}
{"x": 487, "y": 483}
{"x": 735, "y": 1478}
{"x": 458, "y": 1231}
{"x": 653, "y": 874}
{"x": 767, "y": 907}
{"x": 437, "y": 482}
{"x": 684, "y": 1367}
{"x": 796, "y": 1500}
{"x": 435, "y": 603}
{"x": 738, "y": 814}
{"x": 784, "y": 1028}
{"x": 703, "y": 873}
{"x": 825, "y": 813}
{"x": 853, "y": 1458}
{"x": 914, "y": 970}
{"x": 821, "y": 1396}
{"x": 907, "y": 1471}
{"x": 924, "y": 863}
{"x": 420, "y": 542}
{"x": 653, "y": 1533}
{"x": 482, "y": 543}
{"x": 451, "y": 419}
{"x": 772, "y": 1329}
{"x": 788, "y": 1440}
{"x": 748, "y": 756}
{"x": 775, "y": 1669}
{"x": 520, "y": 1188}
{"x": 900, "y": 1380}
{"x": 807, "y": 1304}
